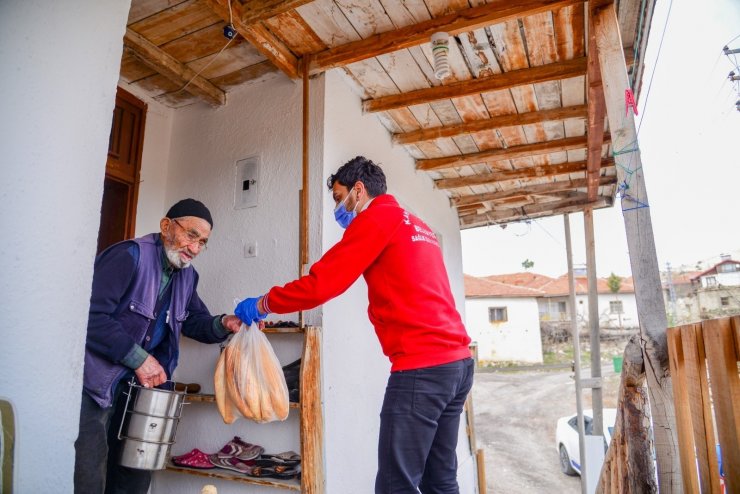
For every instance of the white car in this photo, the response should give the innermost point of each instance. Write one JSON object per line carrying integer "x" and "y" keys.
{"x": 566, "y": 438}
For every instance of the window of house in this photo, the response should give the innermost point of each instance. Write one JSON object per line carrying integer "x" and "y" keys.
{"x": 727, "y": 268}
{"x": 497, "y": 314}
{"x": 562, "y": 308}
{"x": 711, "y": 281}
{"x": 725, "y": 301}
{"x": 615, "y": 306}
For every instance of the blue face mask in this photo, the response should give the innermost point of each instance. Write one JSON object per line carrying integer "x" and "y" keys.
{"x": 344, "y": 217}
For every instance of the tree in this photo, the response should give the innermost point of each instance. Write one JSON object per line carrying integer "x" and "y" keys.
{"x": 527, "y": 264}
{"x": 614, "y": 283}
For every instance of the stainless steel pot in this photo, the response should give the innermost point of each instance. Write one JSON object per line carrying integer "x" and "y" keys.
{"x": 150, "y": 416}
{"x": 144, "y": 455}
{"x": 157, "y": 402}
{"x": 151, "y": 429}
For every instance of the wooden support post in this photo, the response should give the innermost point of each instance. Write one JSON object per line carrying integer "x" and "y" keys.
{"x": 480, "y": 461}
{"x": 628, "y": 466}
{"x": 576, "y": 353}
{"x": 643, "y": 258}
{"x": 593, "y": 321}
{"x": 303, "y": 229}
{"x": 312, "y": 439}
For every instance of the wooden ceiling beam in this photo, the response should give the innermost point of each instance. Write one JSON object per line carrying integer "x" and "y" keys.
{"x": 171, "y": 68}
{"x": 522, "y": 151}
{"x": 540, "y": 171}
{"x": 536, "y": 189}
{"x": 496, "y": 122}
{"x": 497, "y": 82}
{"x": 253, "y": 11}
{"x": 552, "y": 208}
{"x": 416, "y": 34}
{"x": 596, "y": 112}
{"x": 507, "y": 80}
{"x": 259, "y": 36}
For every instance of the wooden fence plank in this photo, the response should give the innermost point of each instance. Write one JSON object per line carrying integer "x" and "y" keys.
{"x": 723, "y": 373}
{"x": 699, "y": 402}
{"x": 683, "y": 411}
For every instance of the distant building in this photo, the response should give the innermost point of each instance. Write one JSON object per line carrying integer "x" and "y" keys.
{"x": 502, "y": 320}
{"x": 507, "y": 314}
{"x": 718, "y": 290}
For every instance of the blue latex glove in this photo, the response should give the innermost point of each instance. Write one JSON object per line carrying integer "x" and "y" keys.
{"x": 247, "y": 311}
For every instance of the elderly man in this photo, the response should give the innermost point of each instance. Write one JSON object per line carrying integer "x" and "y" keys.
{"x": 144, "y": 295}
{"x": 412, "y": 309}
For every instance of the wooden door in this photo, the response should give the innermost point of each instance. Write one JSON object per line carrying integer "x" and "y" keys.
{"x": 122, "y": 169}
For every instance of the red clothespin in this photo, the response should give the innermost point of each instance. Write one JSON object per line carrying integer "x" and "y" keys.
{"x": 629, "y": 102}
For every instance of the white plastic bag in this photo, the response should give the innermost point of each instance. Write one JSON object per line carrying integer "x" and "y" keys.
{"x": 249, "y": 380}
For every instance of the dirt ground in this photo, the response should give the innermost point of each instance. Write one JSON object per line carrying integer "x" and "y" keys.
{"x": 515, "y": 419}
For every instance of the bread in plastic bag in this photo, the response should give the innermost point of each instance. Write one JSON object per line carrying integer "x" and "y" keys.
{"x": 249, "y": 380}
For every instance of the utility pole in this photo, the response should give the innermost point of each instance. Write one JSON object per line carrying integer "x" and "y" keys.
{"x": 576, "y": 354}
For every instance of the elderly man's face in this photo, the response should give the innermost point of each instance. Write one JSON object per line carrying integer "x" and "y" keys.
{"x": 184, "y": 238}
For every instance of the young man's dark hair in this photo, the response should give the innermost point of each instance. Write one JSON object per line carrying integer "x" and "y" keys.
{"x": 363, "y": 170}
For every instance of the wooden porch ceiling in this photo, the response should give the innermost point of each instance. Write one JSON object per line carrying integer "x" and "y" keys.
{"x": 516, "y": 132}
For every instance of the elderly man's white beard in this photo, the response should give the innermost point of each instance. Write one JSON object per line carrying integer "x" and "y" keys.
{"x": 174, "y": 257}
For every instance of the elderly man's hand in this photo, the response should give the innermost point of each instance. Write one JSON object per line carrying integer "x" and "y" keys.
{"x": 232, "y": 323}
{"x": 150, "y": 373}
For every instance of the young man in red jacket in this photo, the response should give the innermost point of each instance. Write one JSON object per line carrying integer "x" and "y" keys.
{"x": 414, "y": 315}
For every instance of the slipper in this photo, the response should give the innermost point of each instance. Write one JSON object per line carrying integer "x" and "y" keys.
{"x": 287, "y": 458}
{"x": 278, "y": 472}
{"x": 234, "y": 464}
{"x": 236, "y": 448}
{"x": 194, "y": 459}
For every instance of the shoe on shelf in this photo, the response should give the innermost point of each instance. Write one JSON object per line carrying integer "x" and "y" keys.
{"x": 236, "y": 448}
{"x": 189, "y": 388}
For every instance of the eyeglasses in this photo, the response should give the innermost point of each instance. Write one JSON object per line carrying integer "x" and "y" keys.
{"x": 193, "y": 236}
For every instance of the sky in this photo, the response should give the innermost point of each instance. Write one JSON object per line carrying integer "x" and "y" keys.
{"x": 689, "y": 137}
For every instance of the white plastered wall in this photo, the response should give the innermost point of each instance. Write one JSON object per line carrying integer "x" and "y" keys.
{"x": 60, "y": 63}
{"x": 262, "y": 120}
{"x": 517, "y": 339}
{"x": 355, "y": 370}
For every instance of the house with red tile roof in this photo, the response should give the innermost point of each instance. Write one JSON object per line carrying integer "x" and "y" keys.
{"x": 502, "y": 320}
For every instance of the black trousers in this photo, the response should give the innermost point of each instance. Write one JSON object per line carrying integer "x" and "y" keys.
{"x": 97, "y": 450}
{"x": 419, "y": 425}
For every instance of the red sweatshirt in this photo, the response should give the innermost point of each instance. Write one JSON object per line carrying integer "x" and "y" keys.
{"x": 411, "y": 305}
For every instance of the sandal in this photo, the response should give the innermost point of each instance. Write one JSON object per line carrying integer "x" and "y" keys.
{"x": 287, "y": 458}
{"x": 235, "y": 464}
{"x": 236, "y": 448}
{"x": 278, "y": 472}
{"x": 194, "y": 459}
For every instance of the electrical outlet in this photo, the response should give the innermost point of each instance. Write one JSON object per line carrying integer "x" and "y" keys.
{"x": 250, "y": 249}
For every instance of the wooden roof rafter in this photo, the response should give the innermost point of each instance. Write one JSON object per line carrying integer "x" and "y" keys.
{"x": 496, "y": 122}
{"x": 533, "y": 211}
{"x": 257, "y": 34}
{"x": 536, "y": 189}
{"x": 522, "y": 151}
{"x": 416, "y": 34}
{"x": 253, "y": 11}
{"x": 507, "y": 80}
{"x": 540, "y": 171}
{"x": 596, "y": 110}
{"x": 160, "y": 61}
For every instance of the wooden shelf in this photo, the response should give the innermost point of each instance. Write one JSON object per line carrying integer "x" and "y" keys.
{"x": 283, "y": 330}
{"x": 203, "y": 398}
{"x": 219, "y": 473}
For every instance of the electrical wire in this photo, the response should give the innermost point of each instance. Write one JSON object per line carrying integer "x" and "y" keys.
{"x": 231, "y": 23}
{"x": 655, "y": 65}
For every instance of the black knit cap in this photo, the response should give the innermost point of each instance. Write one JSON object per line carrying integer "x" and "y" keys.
{"x": 190, "y": 207}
